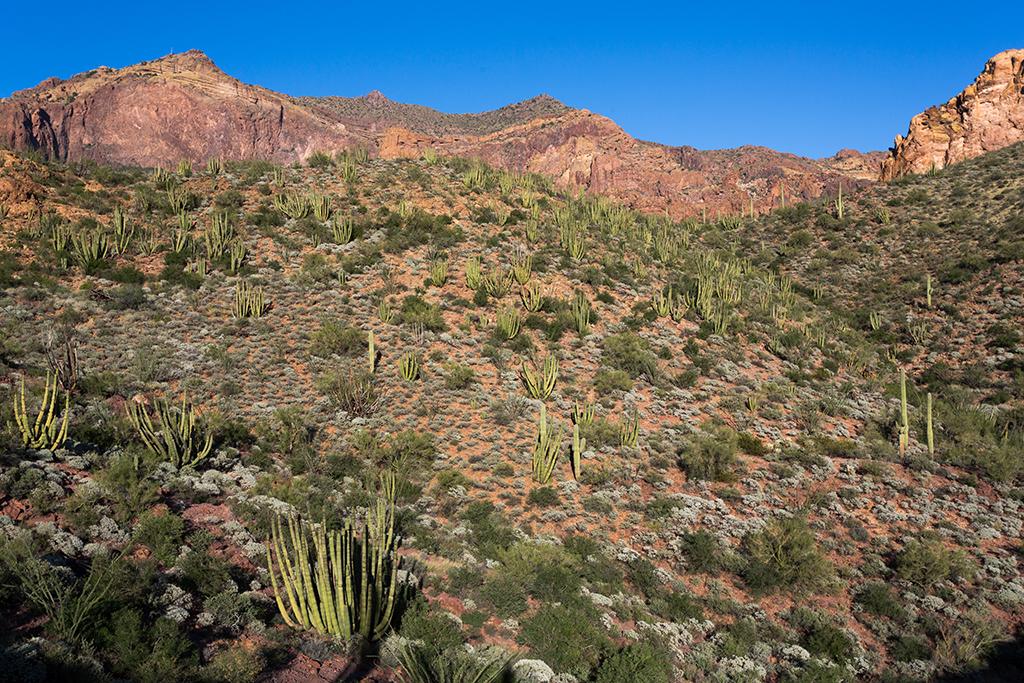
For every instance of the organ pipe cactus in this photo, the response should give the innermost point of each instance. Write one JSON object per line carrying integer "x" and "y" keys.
{"x": 508, "y": 322}
{"x": 532, "y": 296}
{"x": 341, "y": 586}
{"x": 629, "y": 429}
{"x": 579, "y": 444}
{"x": 904, "y": 421}
{"x": 249, "y": 302}
{"x": 409, "y": 366}
{"x": 474, "y": 274}
{"x": 545, "y": 448}
{"x": 176, "y": 439}
{"x": 583, "y": 414}
{"x": 541, "y": 384}
{"x": 343, "y": 229}
{"x": 46, "y": 431}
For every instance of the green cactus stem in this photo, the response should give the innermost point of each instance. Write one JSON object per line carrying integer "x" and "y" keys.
{"x": 45, "y": 432}
{"x": 545, "y": 449}
{"x": 177, "y": 438}
{"x": 341, "y": 586}
{"x": 541, "y": 384}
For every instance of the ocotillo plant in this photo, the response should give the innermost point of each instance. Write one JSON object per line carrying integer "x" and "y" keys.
{"x": 347, "y": 585}
{"x": 545, "y": 448}
{"x": 177, "y": 438}
{"x": 45, "y": 431}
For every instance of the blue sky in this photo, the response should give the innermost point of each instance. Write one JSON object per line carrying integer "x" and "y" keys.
{"x": 807, "y": 78}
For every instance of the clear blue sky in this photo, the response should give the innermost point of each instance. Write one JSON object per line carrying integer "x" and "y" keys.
{"x": 807, "y": 78}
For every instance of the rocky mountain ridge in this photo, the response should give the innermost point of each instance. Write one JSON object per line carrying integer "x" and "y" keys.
{"x": 988, "y": 115}
{"x": 183, "y": 106}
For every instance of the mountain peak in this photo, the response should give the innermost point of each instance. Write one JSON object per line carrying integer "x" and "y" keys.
{"x": 376, "y": 98}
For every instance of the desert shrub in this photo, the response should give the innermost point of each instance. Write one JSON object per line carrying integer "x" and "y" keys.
{"x": 239, "y": 663}
{"x": 162, "y": 534}
{"x": 606, "y": 381}
{"x": 709, "y": 458}
{"x": 416, "y": 311}
{"x": 335, "y": 338}
{"x": 629, "y": 354}
{"x": 352, "y": 391}
{"x": 126, "y": 297}
{"x": 459, "y": 377}
{"x": 785, "y": 554}
{"x": 636, "y": 662}
{"x": 828, "y": 641}
{"x": 449, "y": 479}
{"x": 927, "y": 563}
{"x": 751, "y": 445}
{"x": 229, "y": 199}
{"x": 151, "y": 653}
{"x": 908, "y": 647}
{"x": 422, "y": 621}
{"x": 505, "y": 595}
{"x": 544, "y": 497}
{"x": 565, "y": 637}
{"x": 201, "y": 570}
{"x": 876, "y": 598}
{"x": 702, "y": 552}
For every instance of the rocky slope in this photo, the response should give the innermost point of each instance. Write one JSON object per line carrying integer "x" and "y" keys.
{"x": 183, "y": 106}
{"x": 988, "y": 115}
{"x": 158, "y": 112}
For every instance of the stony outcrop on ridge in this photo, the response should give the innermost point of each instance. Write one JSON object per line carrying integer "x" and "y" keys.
{"x": 183, "y": 106}
{"x": 988, "y": 115}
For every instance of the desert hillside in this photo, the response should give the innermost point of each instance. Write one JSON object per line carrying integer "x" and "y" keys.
{"x": 609, "y": 445}
{"x": 183, "y": 106}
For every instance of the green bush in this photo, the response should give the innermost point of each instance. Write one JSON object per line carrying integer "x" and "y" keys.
{"x": 927, "y": 563}
{"x": 459, "y": 377}
{"x": 565, "y": 637}
{"x": 876, "y": 598}
{"x": 785, "y": 554}
{"x": 336, "y": 338}
{"x": 629, "y": 354}
{"x": 636, "y": 663}
{"x": 544, "y": 497}
{"x": 710, "y": 458}
{"x": 162, "y": 534}
{"x": 606, "y": 381}
{"x": 416, "y": 311}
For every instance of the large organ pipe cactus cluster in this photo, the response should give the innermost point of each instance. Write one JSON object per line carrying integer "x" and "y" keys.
{"x": 341, "y": 586}
{"x": 177, "y": 439}
{"x": 46, "y": 431}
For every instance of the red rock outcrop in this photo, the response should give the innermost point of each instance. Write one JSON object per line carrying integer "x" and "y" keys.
{"x": 582, "y": 149}
{"x": 988, "y": 115}
{"x": 183, "y": 106}
{"x": 179, "y": 106}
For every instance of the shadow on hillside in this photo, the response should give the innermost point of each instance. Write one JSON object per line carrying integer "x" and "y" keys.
{"x": 1004, "y": 665}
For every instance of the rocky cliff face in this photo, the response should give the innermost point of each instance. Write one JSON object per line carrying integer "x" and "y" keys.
{"x": 582, "y": 149}
{"x": 179, "y": 106}
{"x": 988, "y": 115}
{"x": 183, "y": 106}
